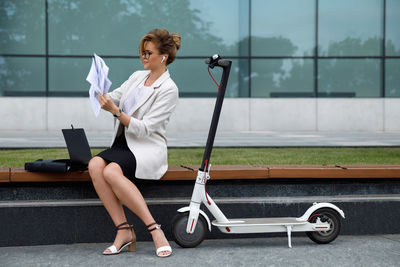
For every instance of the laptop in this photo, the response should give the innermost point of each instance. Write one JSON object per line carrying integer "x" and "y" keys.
{"x": 78, "y": 148}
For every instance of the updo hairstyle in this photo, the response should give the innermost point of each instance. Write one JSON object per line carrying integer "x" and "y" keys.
{"x": 165, "y": 42}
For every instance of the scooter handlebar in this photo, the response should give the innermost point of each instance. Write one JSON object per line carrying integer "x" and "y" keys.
{"x": 223, "y": 62}
{"x": 218, "y": 61}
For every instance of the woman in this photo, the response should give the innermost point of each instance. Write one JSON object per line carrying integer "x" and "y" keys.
{"x": 142, "y": 107}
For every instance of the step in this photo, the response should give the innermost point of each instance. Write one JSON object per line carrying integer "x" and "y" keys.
{"x": 216, "y": 188}
{"x": 41, "y": 222}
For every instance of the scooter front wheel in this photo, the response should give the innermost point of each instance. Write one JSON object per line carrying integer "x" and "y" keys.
{"x": 332, "y": 218}
{"x": 184, "y": 239}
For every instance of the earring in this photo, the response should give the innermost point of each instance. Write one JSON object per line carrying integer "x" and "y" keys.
{"x": 163, "y": 58}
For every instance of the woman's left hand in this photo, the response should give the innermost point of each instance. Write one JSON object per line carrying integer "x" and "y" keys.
{"x": 107, "y": 104}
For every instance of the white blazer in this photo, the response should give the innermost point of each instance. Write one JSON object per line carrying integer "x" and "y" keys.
{"x": 145, "y": 134}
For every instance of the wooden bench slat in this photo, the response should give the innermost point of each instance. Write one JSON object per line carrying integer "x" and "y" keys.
{"x": 20, "y": 175}
{"x": 224, "y": 172}
{"x": 174, "y": 173}
{"x": 4, "y": 174}
{"x": 331, "y": 171}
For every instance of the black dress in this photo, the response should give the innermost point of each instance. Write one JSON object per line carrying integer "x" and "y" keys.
{"x": 120, "y": 153}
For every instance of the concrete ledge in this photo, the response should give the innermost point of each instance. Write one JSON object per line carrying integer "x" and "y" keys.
{"x": 238, "y": 114}
{"x": 88, "y": 224}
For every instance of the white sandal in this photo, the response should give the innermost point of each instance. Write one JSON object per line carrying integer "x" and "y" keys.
{"x": 131, "y": 244}
{"x": 163, "y": 248}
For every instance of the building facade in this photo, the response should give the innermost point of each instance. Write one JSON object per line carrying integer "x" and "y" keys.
{"x": 298, "y": 65}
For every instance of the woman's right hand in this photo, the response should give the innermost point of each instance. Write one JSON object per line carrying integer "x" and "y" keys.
{"x": 106, "y": 103}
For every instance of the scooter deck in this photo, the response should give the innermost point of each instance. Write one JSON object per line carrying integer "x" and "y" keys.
{"x": 260, "y": 222}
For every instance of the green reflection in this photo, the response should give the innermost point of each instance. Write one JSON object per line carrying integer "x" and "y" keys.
{"x": 68, "y": 75}
{"x": 283, "y": 28}
{"x": 350, "y": 28}
{"x": 22, "y": 26}
{"x": 392, "y": 28}
{"x": 81, "y": 27}
{"x": 349, "y": 78}
{"x": 198, "y": 83}
{"x": 22, "y": 76}
{"x": 282, "y": 78}
{"x": 392, "y": 78}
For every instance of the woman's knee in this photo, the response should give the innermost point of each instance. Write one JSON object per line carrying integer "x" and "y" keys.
{"x": 96, "y": 166}
{"x": 111, "y": 172}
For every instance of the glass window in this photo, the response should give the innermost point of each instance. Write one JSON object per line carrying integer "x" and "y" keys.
{"x": 68, "y": 75}
{"x": 392, "y": 28}
{"x": 392, "y": 78}
{"x": 111, "y": 27}
{"x": 282, "y": 78}
{"x": 283, "y": 28}
{"x": 22, "y": 27}
{"x": 198, "y": 83}
{"x": 350, "y": 28}
{"x": 21, "y": 76}
{"x": 349, "y": 78}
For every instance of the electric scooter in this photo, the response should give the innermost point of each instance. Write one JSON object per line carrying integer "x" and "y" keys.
{"x": 321, "y": 222}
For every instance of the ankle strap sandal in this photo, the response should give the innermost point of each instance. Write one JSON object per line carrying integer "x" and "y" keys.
{"x": 159, "y": 250}
{"x": 130, "y": 244}
{"x": 118, "y": 227}
{"x": 156, "y": 227}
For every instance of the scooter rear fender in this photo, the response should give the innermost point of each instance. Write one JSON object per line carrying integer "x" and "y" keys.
{"x": 317, "y": 206}
{"x": 186, "y": 209}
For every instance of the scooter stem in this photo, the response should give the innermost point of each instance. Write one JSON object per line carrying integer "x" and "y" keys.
{"x": 217, "y": 111}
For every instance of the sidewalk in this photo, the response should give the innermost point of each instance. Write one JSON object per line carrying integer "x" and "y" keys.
{"x": 379, "y": 250}
{"x": 38, "y": 139}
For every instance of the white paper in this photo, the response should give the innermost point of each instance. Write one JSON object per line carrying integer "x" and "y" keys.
{"x": 99, "y": 82}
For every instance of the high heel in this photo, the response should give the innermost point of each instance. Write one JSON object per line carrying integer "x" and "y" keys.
{"x": 131, "y": 244}
{"x": 162, "y": 248}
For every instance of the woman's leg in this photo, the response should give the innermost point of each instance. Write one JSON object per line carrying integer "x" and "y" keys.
{"x": 131, "y": 197}
{"x": 109, "y": 199}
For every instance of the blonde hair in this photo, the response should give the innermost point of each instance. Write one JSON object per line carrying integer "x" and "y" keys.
{"x": 165, "y": 42}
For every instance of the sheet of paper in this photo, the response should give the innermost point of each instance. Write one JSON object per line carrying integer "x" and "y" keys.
{"x": 99, "y": 82}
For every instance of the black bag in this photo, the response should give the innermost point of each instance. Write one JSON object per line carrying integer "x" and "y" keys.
{"x": 79, "y": 153}
{"x": 58, "y": 165}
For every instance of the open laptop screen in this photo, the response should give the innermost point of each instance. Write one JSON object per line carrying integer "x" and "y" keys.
{"x": 78, "y": 146}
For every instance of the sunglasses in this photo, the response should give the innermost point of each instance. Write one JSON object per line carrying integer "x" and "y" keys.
{"x": 146, "y": 54}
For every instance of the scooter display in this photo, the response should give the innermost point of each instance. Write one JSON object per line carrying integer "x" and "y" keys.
{"x": 321, "y": 222}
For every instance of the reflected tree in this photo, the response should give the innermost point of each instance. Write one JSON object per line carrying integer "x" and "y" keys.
{"x": 22, "y": 31}
{"x": 350, "y": 77}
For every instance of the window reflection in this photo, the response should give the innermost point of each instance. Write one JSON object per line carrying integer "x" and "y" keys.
{"x": 22, "y": 76}
{"x": 392, "y": 78}
{"x": 283, "y": 28}
{"x": 22, "y": 26}
{"x": 282, "y": 78}
{"x": 349, "y": 78}
{"x": 68, "y": 75}
{"x": 392, "y": 28}
{"x": 115, "y": 27}
{"x": 200, "y": 84}
{"x": 350, "y": 28}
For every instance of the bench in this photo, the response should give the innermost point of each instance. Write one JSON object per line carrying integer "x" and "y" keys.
{"x": 227, "y": 172}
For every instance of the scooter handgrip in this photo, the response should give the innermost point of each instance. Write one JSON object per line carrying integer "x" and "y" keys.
{"x": 223, "y": 62}
{"x": 207, "y": 61}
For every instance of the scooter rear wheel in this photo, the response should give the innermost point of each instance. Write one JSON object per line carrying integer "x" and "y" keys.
{"x": 184, "y": 239}
{"x": 326, "y": 215}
